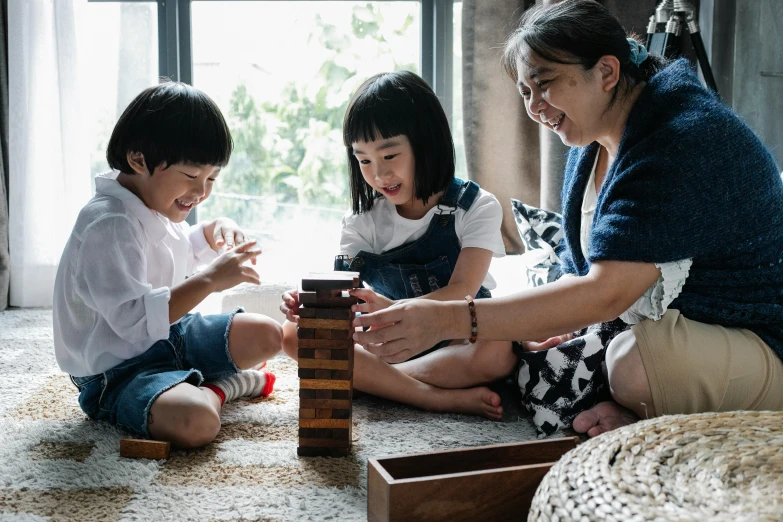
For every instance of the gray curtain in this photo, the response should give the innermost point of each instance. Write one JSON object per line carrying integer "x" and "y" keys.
{"x": 501, "y": 142}
{"x": 507, "y": 153}
{"x": 5, "y": 264}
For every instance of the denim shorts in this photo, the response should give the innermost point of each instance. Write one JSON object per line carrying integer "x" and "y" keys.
{"x": 196, "y": 350}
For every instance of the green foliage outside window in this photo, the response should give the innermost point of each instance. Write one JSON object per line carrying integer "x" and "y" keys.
{"x": 290, "y": 151}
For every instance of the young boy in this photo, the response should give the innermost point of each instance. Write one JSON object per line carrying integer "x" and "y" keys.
{"x": 121, "y": 299}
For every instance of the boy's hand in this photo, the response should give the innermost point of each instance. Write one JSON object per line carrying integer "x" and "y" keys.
{"x": 224, "y": 231}
{"x": 372, "y": 301}
{"x": 290, "y": 305}
{"x": 228, "y": 270}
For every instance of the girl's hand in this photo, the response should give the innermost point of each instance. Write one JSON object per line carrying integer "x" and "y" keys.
{"x": 372, "y": 301}
{"x": 403, "y": 330}
{"x": 290, "y": 305}
{"x": 224, "y": 231}
{"x": 537, "y": 346}
{"x": 229, "y": 269}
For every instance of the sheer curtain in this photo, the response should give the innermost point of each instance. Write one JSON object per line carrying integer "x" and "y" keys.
{"x": 4, "y": 257}
{"x": 49, "y": 169}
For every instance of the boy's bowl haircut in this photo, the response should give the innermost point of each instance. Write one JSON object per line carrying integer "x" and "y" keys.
{"x": 170, "y": 123}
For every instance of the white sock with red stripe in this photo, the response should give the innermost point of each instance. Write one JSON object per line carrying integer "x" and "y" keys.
{"x": 247, "y": 383}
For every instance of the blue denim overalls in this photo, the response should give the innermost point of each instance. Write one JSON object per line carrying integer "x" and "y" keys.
{"x": 425, "y": 264}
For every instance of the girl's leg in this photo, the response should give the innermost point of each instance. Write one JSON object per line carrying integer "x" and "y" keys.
{"x": 373, "y": 375}
{"x": 463, "y": 364}
{"x": 253, "y": 339}
{"x": 185, "y": 415}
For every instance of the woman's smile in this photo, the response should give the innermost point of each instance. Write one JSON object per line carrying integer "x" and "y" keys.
{"x": 555, "y": 122}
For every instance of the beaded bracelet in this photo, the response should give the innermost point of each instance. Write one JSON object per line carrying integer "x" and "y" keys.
{"x": 473, "y": 321}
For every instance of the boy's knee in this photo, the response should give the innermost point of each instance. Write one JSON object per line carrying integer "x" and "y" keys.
{"x": 273, "y": 332}
{"x": 199, "y": 426}
{"x": 290, "y": 339}
{"x": 267, "y": 336}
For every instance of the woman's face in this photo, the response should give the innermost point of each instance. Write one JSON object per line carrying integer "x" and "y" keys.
{"x": 564, "y": 98}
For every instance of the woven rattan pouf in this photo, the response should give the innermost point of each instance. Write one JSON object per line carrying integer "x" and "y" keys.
{"x": 710, "y": 466}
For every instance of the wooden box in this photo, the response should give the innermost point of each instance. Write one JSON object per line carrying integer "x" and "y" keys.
{"x": 483, "y": 483}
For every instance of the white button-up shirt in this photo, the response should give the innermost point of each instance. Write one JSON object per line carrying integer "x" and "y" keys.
{"x": 111, "y": 295}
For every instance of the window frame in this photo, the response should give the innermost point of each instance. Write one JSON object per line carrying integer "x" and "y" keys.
{"x": 175, "y": 56}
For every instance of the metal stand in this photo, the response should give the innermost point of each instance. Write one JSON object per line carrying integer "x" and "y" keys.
{"x": 665, "y": 28}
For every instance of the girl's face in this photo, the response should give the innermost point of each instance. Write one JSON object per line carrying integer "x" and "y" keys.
{"x": 388, "y": 166}
{"x": 565, "y": 98}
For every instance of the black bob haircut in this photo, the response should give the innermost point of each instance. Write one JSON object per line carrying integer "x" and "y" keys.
{"x": 170, "y": 123}
{"x": 577, "y": 32}
{"x": 394, "y": 104}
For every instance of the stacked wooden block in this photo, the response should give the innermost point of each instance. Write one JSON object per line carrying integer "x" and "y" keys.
{"x": 326, "y": 363}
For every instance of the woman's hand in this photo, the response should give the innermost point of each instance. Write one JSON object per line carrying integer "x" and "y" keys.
{"x": 224, "y": 231}
{"x": 290, "y": 305}
{"x": 537, "y": 346}
{"x": 404, "y": 329}
{"x": 372, "y": 301}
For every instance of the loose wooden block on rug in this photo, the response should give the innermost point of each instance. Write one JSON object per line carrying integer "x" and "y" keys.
{"x": 144, "y": 449}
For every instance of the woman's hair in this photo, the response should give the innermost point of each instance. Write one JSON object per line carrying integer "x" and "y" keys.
{"x": 394, "y": 104}
{"x": 170, "y": 123}
{"x": 576, "y": 32}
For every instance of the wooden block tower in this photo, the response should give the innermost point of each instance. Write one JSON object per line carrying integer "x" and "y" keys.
{"x": 325, "y": 334}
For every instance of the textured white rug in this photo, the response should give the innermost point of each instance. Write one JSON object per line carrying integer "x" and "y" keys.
{"x": 55, "y": 464}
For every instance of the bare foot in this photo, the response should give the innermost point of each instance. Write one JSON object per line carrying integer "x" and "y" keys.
{"x": 476, "y": 401}
{"x": 603, "y": 417}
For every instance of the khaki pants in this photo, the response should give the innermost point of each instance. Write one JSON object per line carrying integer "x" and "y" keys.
{"x": 694, "y": 367}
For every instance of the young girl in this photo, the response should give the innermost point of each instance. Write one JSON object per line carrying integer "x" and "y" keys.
{"x": 416, "y": 232}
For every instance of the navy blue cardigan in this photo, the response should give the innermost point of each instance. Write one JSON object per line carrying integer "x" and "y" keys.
{"x": 690, "y": 180}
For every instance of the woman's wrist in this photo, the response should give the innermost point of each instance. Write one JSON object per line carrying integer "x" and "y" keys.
{"x": 460, "y": 326}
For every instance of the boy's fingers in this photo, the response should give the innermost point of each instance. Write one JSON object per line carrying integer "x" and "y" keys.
{"x": 244, "y": 246}
{"x": 217, "y": 236}
{"x": 248, "y": 254}
{"x": 250, "y": 276}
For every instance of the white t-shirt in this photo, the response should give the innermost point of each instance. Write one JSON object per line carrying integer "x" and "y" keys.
{"x": 111, "y": 294}
{"x": 382, "y": 228}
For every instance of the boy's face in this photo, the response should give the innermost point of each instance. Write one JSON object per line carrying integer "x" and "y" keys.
{"x": 175, "y": 190}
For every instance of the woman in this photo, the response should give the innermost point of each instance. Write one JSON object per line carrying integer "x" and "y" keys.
{"x": 673, "y": 220}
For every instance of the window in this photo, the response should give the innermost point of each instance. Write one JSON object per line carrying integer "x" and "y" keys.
{"x": 457, "y": 124}
{"x": 123, "y": 39}
{"x": 282, "y": 72}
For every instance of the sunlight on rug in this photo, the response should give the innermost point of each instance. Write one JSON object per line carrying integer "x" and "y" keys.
{"x": 58, "y": 465}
